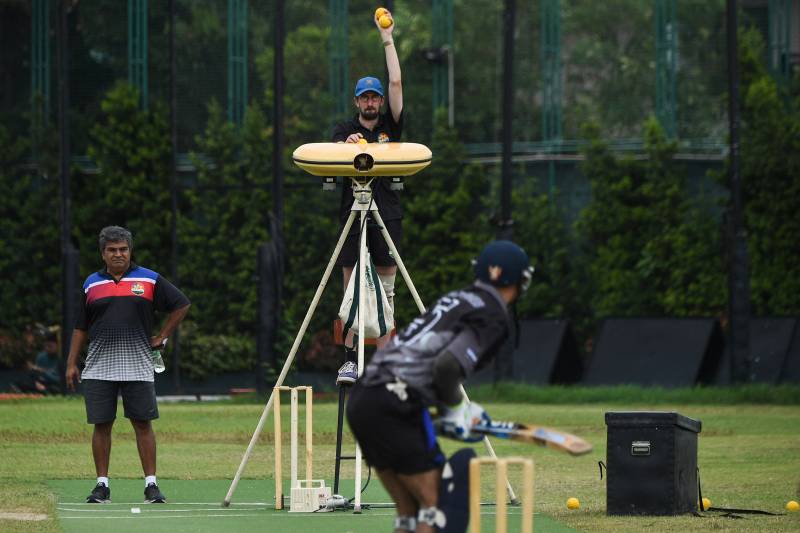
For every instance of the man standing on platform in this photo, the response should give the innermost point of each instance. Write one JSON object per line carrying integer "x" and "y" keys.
{"x": 370, "y": 125}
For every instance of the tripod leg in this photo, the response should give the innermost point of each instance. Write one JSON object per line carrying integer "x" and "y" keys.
{"x": 400, "y": 265}
{"x": 285, "y": 370}
{"x": 418, "y": 301}
{"x": 362, "y": 302}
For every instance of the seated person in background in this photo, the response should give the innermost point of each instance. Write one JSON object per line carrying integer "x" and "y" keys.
{"x": 45, "y": 372}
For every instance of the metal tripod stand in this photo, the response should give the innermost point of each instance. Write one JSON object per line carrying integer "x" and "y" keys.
{"x": 363, "y": 205}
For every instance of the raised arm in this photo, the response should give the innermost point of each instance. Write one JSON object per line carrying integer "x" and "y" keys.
{"x": 393, "y": 66}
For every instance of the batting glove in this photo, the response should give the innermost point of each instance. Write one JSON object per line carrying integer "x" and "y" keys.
{"x": 457, "y": 422}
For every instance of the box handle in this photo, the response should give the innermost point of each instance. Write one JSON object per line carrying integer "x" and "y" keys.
{"x": 640, "y": 447}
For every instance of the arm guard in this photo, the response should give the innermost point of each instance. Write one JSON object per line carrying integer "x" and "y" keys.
{"x": 447, "y": 377}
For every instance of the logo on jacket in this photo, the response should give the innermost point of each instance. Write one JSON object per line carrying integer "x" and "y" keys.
{"x": 137, "y": 289}
{"x": 383, "y": 137}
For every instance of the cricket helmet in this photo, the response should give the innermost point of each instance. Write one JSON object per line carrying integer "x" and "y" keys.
{"x": 502, "y": 264}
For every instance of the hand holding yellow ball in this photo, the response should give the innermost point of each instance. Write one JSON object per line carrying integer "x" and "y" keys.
{"x": 383, "y": 17}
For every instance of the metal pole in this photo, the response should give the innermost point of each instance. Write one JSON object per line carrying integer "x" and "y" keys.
{"x": 64, "y": 172}
{"x": 264, "y": 348}
{"x": 738, "y": 277}
{"x": 278, "y": 142}
{"x": 278, "y": 137}
{"x": 173, "y": 186}
{"x": 505, "y": 229}
{"x": 451, "y": 107}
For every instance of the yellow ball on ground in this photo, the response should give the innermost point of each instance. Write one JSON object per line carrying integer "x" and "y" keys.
{"x": 385, "y": 21}
{"x": 381, "y": 11}
{"x": 573, "y": 503}
{"x": 792, "y": 506}
{"x": 706, "y": 503}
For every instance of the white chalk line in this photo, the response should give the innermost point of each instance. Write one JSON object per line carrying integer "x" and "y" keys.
{"x": 197, "y": 513}
{"x": 145, "y": 516}
{"x": 23, "y": 517}
{"x": 135, "y": 504}
{"x": 156, "y": 510}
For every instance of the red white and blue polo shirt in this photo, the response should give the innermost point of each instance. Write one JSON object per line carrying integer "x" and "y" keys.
{"x": 119, "y": 316}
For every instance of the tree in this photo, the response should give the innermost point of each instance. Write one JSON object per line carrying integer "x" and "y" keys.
{"x": 770, "y": 173}
{"x": 540, "y": 230}
{"x": 226, "y": 222}
{"x": 30, "y": 259}
{"x": 648, "y": 249}
{"x": 130, "y": 147}
{"x": 445, "y": 223}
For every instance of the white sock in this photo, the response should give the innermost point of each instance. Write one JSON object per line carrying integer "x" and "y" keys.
{"x": 150, "y": 479}
{"x": 103, "y": 480}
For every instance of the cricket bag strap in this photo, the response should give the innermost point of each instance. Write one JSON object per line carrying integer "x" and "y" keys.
{"x": 728, "y": 512}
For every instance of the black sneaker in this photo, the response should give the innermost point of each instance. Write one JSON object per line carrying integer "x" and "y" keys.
{"x": 100, "y": 494}
{"x": 153, "y": 495}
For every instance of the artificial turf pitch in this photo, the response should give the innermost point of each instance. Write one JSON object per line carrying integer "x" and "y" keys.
{"x": 194, "y": 506}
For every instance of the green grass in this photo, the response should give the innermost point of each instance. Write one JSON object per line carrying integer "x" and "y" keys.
{"x": 749, "y": 453}
{"x": 623, "y": 394}
{"x": 754, "y": 394}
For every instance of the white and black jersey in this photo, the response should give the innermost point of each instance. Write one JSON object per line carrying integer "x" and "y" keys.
{"x": 118, "y": 316}
{"x": 471, "y": 323}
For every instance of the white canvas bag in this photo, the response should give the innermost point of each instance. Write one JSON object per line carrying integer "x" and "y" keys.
{"x": 378, "y": 315}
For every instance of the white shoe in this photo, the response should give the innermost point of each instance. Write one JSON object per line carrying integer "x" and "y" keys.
{"x": 348, "y": 374}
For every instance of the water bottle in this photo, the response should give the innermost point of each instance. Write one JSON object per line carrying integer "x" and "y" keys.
{"x": 158, "y": 360}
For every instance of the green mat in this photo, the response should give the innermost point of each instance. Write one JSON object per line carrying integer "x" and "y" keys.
{"x": 194, "y": 506}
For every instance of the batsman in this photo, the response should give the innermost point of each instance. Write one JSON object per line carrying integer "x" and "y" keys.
{"x": 422, "y": 368}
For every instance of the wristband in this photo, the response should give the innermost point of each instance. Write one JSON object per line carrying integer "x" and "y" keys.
{"x": 387, "y": 43}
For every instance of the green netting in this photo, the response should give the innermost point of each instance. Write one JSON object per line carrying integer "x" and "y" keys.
{"x": 610, "y": 62}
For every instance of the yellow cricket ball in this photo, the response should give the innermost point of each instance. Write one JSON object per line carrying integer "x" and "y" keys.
{"x": 706, "y": 503}
{"x": 792, "y": 506}
{"x": 381, "y": 11}
{"x": 362, "y": 140}
{"x": 385, "y": 21}
{"x": 573, "y": 503}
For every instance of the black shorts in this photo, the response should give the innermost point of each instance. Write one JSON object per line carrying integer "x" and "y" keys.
{"x": 138, "y": 399}
{"x": 378, "y": 249}
{"x": 393, "y": 434}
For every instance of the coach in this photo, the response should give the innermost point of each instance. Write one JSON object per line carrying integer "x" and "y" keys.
{"x": 117, "y": 316}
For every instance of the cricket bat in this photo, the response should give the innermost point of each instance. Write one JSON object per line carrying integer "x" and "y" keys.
{"x": 543, "y": 436}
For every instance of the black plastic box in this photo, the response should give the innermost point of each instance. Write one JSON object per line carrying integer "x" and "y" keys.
{"x": 651, "y": 462}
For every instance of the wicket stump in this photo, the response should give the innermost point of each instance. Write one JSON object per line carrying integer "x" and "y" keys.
{"x": 501, "y": 471}
{"x": 293, "y": 393}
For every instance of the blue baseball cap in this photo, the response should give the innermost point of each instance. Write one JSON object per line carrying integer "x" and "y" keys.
{"x": 369, "y": 84}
